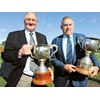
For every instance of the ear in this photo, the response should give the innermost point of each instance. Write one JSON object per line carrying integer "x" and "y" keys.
{"x": 24, "y": 21}
{"x": 61, "y": 26}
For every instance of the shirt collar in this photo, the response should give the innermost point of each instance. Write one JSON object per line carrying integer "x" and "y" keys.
{"x": 27, "y": 32}
{"x": 65, "y": 36}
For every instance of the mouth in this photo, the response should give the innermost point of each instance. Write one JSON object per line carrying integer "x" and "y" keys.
{"x": 30, "y": 25}
{"x": 67, "y": 30}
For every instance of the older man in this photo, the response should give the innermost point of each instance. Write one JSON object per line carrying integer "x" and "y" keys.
{"x": 17, "y": 52}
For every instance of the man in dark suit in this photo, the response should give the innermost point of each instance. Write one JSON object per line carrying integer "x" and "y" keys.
{"x": 64, "y": 72}
{"x": 17, "y": 53}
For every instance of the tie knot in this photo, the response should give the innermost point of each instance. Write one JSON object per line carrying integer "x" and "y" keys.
{"x": 32, "y": 41}
{"x": 68, "y": 37}
{"x": 30, "y": 33}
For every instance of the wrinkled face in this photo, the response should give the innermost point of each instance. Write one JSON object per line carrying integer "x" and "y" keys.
{"x": 30, "y": 22}
{"x": 67, "y": 26}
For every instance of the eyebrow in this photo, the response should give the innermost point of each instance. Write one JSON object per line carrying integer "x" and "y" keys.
{"x": 31, "y": 19}
{"x": 67, "y": 24}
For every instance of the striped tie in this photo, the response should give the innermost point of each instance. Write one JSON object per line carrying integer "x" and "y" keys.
{"x": 69, "y": 51}
{"x": 32, "y": 42}
{"x": 33, "y": 65}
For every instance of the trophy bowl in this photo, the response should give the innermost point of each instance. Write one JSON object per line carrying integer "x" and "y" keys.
{"x": 90, "y": 45}
{"x": 41, "y": 53}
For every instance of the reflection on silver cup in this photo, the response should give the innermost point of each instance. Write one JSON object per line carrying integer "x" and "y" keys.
{"x": 90, "y": 45}
{"x": 42, "y": 53}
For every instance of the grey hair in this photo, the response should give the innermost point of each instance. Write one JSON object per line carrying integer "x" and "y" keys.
{"x": 27, "y": 13}
{"x": 66, "y": 17}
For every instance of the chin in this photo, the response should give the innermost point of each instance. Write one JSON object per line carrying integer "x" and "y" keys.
{"x": 31, "y": 30}
{"x": 68, "y": 33}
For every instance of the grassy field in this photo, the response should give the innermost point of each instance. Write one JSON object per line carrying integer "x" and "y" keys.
{"x": 2, "y": 82}
{"x": 1, "y": 49}
{"x": 95, "y": 81}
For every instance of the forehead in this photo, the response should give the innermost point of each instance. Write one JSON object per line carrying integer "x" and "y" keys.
{"x": 30, "y": 15}
{"x": 67, "y": 20}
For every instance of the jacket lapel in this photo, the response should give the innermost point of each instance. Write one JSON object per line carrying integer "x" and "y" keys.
{"x": 22, "y": 37}
{"x": 60, "y": 48}
{"x": 74, "y": 40}
{"x": 38, "y": 38}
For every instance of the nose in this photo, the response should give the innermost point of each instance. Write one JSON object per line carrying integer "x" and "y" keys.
{"x": 68, "y": 25}
{"x": 31, "y": 21}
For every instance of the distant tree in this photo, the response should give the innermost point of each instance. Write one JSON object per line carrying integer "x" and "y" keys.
{"x": 3, "y": 43}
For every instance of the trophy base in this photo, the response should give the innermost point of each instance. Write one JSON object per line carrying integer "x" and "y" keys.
{"x": 42, "y": 78}
{"x": 82, "y": 71}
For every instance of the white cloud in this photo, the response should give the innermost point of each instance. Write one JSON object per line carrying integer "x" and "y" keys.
{"x": 2, "y": 30}
{"x": 93, "y": 20}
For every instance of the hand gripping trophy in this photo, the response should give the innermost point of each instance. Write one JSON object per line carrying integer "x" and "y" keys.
{"x": 90, "y": 45}
{"x": 41, "y": 53}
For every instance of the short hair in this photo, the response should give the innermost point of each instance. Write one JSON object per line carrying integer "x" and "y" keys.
{"x": 27, "y": 13}
{"x": 66, "y": 17}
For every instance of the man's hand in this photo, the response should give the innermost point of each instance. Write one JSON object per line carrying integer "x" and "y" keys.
{"x": 25, "y": 50}
{"x": 93, "y": 71}
{"x": 69, "y": 68}
{"x": 52, "y": 74}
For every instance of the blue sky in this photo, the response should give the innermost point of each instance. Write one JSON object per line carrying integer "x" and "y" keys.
{"x": 87, "y": 23}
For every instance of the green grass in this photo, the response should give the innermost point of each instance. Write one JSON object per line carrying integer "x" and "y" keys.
{"x": 50, "y": 85}
{"x": 0, "y": 59}
{"x": 2, "y": 82}
{"x": 98, "y": 56}
{"x": 95, "y": 81}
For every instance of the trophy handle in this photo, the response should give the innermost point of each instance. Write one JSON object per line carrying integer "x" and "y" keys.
{"x": 52, "y": 46}
{"x": 99, "y": 46}
{"x": 80, "y": 41}
{"x": 34, "y": 49}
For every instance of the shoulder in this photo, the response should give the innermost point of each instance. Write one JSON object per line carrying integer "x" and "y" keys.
{"x": 40, "y": 34}
{"x": 58, "y": 37}
{"x": 78, "y": 34}
{"x": 16, "y": 32}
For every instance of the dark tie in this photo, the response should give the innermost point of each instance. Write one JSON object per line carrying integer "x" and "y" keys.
{"x": 69, "y": 51}
{"x": 33, "y": 65}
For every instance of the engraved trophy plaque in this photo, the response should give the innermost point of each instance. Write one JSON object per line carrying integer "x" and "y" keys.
{"x": 90, "y": 45}
{"x": 41, "y": 53}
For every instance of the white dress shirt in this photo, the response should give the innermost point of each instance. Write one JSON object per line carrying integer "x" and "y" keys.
{"x": 27, "y": 66}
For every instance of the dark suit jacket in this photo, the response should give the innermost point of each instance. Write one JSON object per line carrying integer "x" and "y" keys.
{"x": 58, "y": 61}
{"x": 13, "y": 65}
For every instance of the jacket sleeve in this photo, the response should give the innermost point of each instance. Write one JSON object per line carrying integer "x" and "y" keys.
{"x": 10, "y": 53}
{"x": 95, "y": 60}
{"x": 56, "y": 59}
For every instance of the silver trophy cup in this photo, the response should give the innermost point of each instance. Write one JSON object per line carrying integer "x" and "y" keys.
{"x": 90, "y": 45}
{"x": 42, "y": 53}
